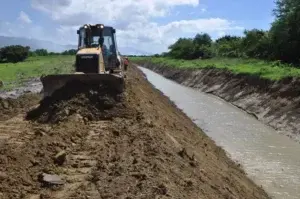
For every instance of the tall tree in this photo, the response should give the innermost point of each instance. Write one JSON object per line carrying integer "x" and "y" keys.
{"x": 183, "y": 48}
{"x": 202, "y": 39}
{"x": 285, "y": 30}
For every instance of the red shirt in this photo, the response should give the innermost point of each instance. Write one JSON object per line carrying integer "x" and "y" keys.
{"x": 126, "y": 61}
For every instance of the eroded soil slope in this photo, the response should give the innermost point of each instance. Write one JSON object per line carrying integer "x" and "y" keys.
{"x": 276, "y": 103}
{"x": 146, "y": 149}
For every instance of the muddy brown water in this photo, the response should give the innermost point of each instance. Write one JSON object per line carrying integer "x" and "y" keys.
{"x": 31, "y": 86}
{"x": 270, "y": 159}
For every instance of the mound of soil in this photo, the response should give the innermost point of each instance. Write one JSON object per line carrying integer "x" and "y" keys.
{"x": 155, "y": 152}
{"x": 23, "y": 160}
{"x": 11, "y": 107}
{"x": 92, "y": 102}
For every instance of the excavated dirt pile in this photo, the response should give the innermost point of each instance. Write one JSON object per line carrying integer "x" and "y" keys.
{"x": 10, "y": 107}
{"x": 93, "y": 102}
{"x": 136, "y": 145}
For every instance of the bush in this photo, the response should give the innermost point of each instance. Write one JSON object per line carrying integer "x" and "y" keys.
{"x": 204, "y": 52}
{"x": 202, "y": 40}
{"x": 228, "y": 46}
{"x": 41, "y": 52}
{"x": 182, "y": 49}
{"x": 186, "y": 48}
{"x": 14, "y": 53}
{"x": 54, "y": 53}
{"x": 70, "y": 52}
{"x": 32, "y": 54}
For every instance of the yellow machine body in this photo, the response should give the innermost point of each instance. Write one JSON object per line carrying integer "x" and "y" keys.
{"x": 92, "y": 65}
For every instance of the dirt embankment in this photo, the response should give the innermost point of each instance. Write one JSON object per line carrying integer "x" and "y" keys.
{"x": 11, "y": 107}
{"x": 276, "y": 103}
{"x": 147, "y": 148}
{"x": 91, "y": 102}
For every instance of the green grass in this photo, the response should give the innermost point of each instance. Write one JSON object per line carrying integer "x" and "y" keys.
{"x": 264, "y": 69}
{"x": 13, "y": 75}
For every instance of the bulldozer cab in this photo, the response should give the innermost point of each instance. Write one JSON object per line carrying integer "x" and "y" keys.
{"x": 100, "y": 36}
{"x": 97, "y": 61}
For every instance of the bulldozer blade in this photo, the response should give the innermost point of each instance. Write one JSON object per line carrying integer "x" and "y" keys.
{"x": 51, "y": 83}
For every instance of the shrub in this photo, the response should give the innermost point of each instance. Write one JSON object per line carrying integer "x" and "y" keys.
{"x": 41, "y": 52}
{"x": 14, "y": 53}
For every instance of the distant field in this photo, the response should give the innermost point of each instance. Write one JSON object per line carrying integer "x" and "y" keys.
{"x": 14, "y": 74}
{"x": 264, "y": 69}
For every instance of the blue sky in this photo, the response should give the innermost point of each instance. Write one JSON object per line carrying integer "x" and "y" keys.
{"x": 247, "y": 13}
{"x": 138, "y": 22}
{"x": 10, "y": 11}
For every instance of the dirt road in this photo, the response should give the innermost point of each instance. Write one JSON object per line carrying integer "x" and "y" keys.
{"x": 105, "y": 144}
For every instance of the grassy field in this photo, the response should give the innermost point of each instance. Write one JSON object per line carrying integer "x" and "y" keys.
{"x": 264, "y": 69}
{"x": 13, "y": 75}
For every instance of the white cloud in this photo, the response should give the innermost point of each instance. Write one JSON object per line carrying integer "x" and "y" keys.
{"x": 116, "y": 12}
{"x": 133, "y": 19}
{"x": 203, "y": 10}
{"x": 23, "y": 17}
{"x": 50, "y": 5}
{"x": 153, "y": 37}
{"x": 157, "y": 38}
{"x": 18, "y": 29}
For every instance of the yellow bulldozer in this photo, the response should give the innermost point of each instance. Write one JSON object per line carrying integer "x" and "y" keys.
{"x": 98, "y": 60}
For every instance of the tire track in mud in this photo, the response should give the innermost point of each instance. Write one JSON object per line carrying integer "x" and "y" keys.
{"x": 81, "y": 162}
{"x": 14, "y": 131}
{"x": 147, "y": 148}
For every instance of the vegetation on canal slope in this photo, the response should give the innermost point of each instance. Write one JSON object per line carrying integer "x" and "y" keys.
{"x": 264, "y": 69}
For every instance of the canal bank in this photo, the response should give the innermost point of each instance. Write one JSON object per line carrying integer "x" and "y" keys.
{"x": 270, "y": 159}
{"x": 275, "y": 103}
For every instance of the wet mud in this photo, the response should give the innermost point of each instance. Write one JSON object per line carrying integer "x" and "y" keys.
{"x": 11, "y": 107}
{"x": 136, "y": 144}
{"x": 92, "y": 102}
{"x": 33, "y": 86}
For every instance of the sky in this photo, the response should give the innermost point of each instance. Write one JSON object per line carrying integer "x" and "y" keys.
{"x": 142, "y": 25}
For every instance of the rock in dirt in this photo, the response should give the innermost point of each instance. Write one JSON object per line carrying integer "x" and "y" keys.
{"x": 5, "y": 104}
{"x": 60, "y": 158}
{"x": 39, "y": 131}
{"x": 51, "y": 179}
{"x": 3, "y": 176}
{"x": 1, "y": 84}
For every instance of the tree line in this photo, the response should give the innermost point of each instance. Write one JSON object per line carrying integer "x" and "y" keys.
{"x": 18, "y": 53}
{"x": 281, "y": 42}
